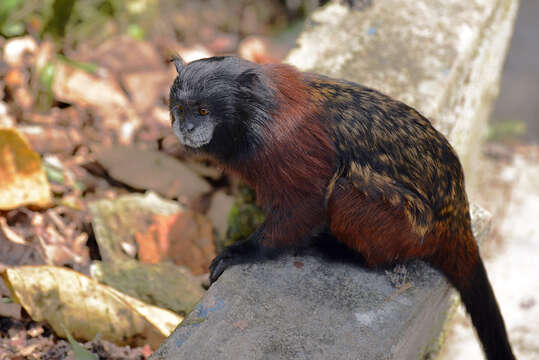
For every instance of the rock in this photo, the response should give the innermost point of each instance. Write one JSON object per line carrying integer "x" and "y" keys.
{"x": 117, "y": 221}
{"x": 185, "y": 238}
{"x": 160, "y": 229}
{"x": 194, "y": 246}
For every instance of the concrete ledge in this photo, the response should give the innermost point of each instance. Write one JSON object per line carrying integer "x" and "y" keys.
{"x": 308, "y": 308}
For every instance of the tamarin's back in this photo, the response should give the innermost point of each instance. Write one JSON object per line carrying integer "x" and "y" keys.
{"x": 331, "y": 155}
{"x": 387, "y": 146}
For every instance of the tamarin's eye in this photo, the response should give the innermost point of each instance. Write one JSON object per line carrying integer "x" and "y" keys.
{"x": 180, "y": 108}
{"x": 203, "y": 111}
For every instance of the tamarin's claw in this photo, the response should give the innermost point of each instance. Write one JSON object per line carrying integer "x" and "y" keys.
{"x": 219, "y": 265}
{"x": 234, "y": 254}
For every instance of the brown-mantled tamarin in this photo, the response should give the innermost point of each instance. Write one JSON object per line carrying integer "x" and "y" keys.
{"x": 332, "y": 155}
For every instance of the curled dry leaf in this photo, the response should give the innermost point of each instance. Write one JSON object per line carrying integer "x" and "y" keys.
{"x": 16, "y": 49}
{"x": 22, "y": 179}
{"x": 65, "y": 298}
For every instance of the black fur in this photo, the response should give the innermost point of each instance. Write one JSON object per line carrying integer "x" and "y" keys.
{"x": 238, "y": 98}
{"x": 480, "y": 302}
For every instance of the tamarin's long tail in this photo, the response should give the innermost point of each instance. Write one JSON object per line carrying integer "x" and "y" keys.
{"x": 478, "y": 298}
{"x": 480, "y": 302}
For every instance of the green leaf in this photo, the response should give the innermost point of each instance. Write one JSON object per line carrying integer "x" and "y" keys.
{"x": 6, "y": 7}
{"x": 86, "y": 66}
{"x": 135, "y": 31}
{"x": 61, "y": 12}
{"x": 13, "y": 29}
{"x": 80, "y": 352}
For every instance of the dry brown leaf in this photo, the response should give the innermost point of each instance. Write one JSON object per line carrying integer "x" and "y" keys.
{"x": 10, "y": 234}
{"x": 111, "y": 55}
{"x": 51, "y": 139}
{"x": 11, "y": 309}
{"x": 191, "y": 242}
{"x": 145, "y": 87}
{"x": 63, "y": 297}
{"x": 22, "y": 179}
{"x": 152, "y": 170}
{"x": 153, "y": 243}
{"x": 79, "y": 87}
{"x": 6, "y": 120}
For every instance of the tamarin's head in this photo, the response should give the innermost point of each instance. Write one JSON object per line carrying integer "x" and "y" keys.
{"x": 220, "y": 105}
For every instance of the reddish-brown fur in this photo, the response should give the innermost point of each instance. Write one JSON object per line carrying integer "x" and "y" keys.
{"x": 377, "y": 230}
{"x": 383, "y": 234}
{"x": 294, "y": 192}
{"x": 456, "y": 251}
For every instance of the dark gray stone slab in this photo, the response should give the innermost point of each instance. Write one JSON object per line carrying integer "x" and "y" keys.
{"x": 307, "y": 307}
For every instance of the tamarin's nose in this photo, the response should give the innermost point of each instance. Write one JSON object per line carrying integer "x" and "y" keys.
{"x": 189, "y": 126}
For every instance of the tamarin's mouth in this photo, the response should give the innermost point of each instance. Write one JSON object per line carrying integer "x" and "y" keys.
{"x": 196, "y": 138}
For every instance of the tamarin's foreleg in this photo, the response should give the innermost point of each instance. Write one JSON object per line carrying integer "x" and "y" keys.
{"x": 282, "y": 230}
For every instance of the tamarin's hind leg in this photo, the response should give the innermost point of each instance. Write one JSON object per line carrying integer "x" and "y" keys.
{"x": 379, "y": 231}
{"x": 382, "y": 234}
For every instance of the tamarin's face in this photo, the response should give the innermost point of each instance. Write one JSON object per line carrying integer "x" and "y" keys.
{"x": 217, "y": 104}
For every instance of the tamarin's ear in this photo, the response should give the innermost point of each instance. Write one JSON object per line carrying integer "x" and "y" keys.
{"x": 248, "y": 79}
{"x": 255, "y": 84}
{"x": 178, "y": 62}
